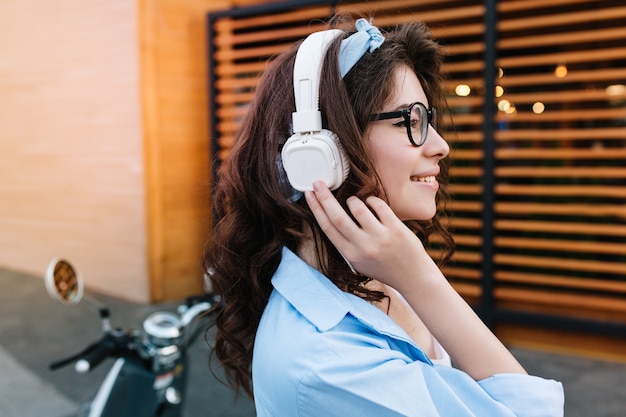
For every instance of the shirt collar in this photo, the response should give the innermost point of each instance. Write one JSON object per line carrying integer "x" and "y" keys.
{"x": 321, "y": 302}
{"x": 307, "y": 289}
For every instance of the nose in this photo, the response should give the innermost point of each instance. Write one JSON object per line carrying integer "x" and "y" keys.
{"x": 435, "y": 146}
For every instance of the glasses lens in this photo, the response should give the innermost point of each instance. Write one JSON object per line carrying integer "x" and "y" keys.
{"x": 419, "y": 123}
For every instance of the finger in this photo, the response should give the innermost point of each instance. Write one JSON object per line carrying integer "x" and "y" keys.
{"x": 336, "y": 213}
{"x": 383, "y": 212}
{"x": 363, "y": 214}
{"x": 334, "y": 235}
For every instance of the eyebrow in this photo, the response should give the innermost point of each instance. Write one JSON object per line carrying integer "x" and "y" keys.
{"x": 400, "y": 108}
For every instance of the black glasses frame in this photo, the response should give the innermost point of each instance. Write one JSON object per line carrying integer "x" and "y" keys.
{"x": 431, "y": 118}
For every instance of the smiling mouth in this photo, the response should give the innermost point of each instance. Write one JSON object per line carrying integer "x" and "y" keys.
{"x": 430, "y": 178}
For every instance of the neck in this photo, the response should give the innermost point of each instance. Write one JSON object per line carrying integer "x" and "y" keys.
{"x": 308, "y": 251}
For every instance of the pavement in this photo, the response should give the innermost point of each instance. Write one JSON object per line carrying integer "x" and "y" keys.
{"x": 35, "y": 330}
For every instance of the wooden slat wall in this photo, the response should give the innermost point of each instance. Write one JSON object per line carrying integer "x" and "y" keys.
{"x": 560, "y": 176}
{"x": 243, "y": 45}
{"x": 560, "y": 181}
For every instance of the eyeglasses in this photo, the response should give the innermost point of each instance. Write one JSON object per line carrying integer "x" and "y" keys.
{"x": 416, "y": 119}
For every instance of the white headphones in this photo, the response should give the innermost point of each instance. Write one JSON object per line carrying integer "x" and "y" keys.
{"x": 312, "y": 153}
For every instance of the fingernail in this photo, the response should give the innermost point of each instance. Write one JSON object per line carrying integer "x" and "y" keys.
{"x": 317, "y": 186}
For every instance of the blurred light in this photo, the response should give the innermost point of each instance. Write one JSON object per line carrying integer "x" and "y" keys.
{"x": 499, "y": 91}
{"x": 500, "y": 72}
{"x": 538, "y": 107}
{"x": 504, "y": 105}
{"x": 462, "y": 90}
{"x": 560, "y": 71}
{"x": 616, "y": 89}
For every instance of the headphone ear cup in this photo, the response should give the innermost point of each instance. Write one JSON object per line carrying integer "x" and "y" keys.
{"x": 309, "y": 157}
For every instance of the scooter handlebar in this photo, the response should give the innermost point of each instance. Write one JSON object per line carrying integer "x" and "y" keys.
{"x": 95, "y": 354}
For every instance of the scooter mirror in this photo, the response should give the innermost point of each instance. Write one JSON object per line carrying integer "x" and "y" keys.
{"x": 63, "y": 282}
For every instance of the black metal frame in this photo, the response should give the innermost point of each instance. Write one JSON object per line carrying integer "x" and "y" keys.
{"x": 487, "y": 309}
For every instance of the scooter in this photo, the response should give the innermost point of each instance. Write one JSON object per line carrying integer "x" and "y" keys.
{"x": 148, "y": 377}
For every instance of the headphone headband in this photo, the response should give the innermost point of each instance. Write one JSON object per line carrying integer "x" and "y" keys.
{"x": 306, "y": 80}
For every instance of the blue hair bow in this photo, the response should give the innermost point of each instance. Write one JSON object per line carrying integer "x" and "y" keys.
{"x": 367, "y": 38}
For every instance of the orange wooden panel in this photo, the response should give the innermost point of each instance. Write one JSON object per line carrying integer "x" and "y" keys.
{"x": 580, "y": 246}
{"x": 562, "y": 227}
{"x": 562, "y": 190}
{"x": 596, "y": 35}
{"x": 608, "y": 74}
{"x": 562, "y": 172}
{"x": 561, "y": 281}
{"x": 561, "y": 19}
{"x": 560, "y": 263}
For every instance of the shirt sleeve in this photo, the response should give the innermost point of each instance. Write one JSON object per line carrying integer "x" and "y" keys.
{"x": 514, "y": 389}
{"x": 360, "y": 376}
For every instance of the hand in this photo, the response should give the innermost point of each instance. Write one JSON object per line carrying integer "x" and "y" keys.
{"x": 380, "y": 246}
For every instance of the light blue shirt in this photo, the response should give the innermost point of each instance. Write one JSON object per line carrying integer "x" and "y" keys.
{"x": 322, "y": 352}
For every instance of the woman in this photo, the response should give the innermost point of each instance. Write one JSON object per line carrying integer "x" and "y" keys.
{"x": 332, "y": 305}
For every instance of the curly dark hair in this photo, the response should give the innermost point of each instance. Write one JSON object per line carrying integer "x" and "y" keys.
{"x": 257, "y": 217}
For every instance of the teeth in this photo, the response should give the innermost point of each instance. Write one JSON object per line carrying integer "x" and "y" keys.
{"x": 423, "y": 179}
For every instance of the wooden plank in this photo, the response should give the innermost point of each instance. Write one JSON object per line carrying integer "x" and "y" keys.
{"x": 230, "y": 39}
{"x": 261, "y": 52}
{"x": 581, "y": 55}
{"x": 464, "y": 48}
{"x": 534, "y": 5}
{"x": 607, "y": 74}
{"x": 464, "y": 240}
{"x": 568, "y": 38}
{"x": 561, "y": 281}
{"x": 459, "y": 256}
{"x": 562, "y": 190}
{"x": 443, "y": 14}
{"x": 591, "y": 210}
{"x": 466, "y": 189}
{"x": 464, "y": 66}
{"x": 234, "y": 98}
{"x": 471, "y": 206}
{"x": 475, "y": 136}
{"x": 553, "y": 298}
{"x": 381, "y": 7}
{"x": 228, "y": 68}
{"x": 468, "y": 119}
{"x": 562, "y": 153}
{"x": 469, "y": 101}
{"x": 227, "y": 85}
{"x": 294, "y": 16}
{"x": 561, "y": 172}
{"x": 466, "y": 223}
{"x": 562, "y": 19}
{"x": 554, "y": 263}
{"x": 597, "y": 229}
{"x": 466, "y": 172}
{"x": 551, "y": 115}
{"x": 579, "y": 246}
{"x": 472, "y": 154}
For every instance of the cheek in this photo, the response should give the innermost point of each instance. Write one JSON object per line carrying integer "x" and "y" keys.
{"x": 380, "y": 146}
{"x": 394, "y": 170}
{"x": 393, "y": 160}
